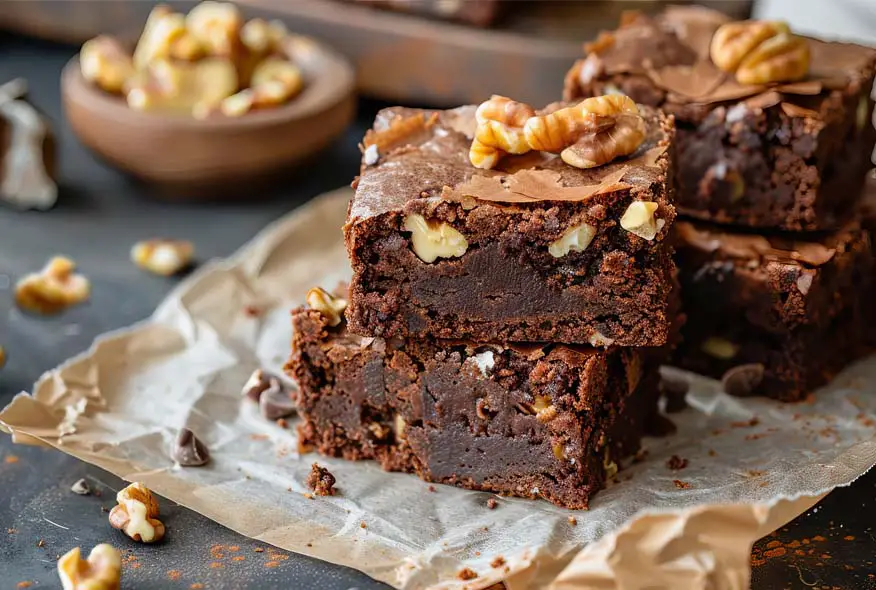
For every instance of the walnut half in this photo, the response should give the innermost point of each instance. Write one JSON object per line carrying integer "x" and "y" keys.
{"x": 53, "y": 289}
{"x": 760, "y": 52}
{"x": 101, "y": 571}
{"x": 137, "y": 514}
{"x": 499, "y": 131}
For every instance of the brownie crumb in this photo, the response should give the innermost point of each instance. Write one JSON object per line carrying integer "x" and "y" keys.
{"x": 491, "y": 503}
{"x": 432, "y": 489}
{"x": 497, "y": 562}
{"x": 321, "y": 481}
{"x": 640, "y": 455}
{"x": 466, "y": 574}
{"x": 675, "y": 463}
{"x": 681, "y": 485}
{"x": 362, "y": 524}
{"x": 573, "y": 521}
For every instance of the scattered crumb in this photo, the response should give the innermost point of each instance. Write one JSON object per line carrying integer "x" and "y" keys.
{"x": 81, "y": 487}
{"x": 259, "y": 550}
{"x": 497, "y": 562}
{"x": 362, "y": 524}
{"x": 309, "y": 545}
{"x": 491, "y": 503}
{"x": 234, "y": 548}
{"x": 196, "y": 586}
{"x": 849, "y": 538}
{"x": 10, "y": 459}
{"x": 321, "y": 481}
{"x": 11, "y": 531}
{"x": 104, "y": 509}
{"x": 24, "y": 584}
{"x": 252, "y": 311}
{"x": 282, "y": 423}
{"x": 676, "y": 463}
{"x": 573, "y": 521}
{"x": 272, "y": 564}
{"x": 307, "y": 495}
{"x": 174, "y": 574}
{"x": 41, "y": 543}
{"x": 681, "y": 485}
{"x": 259, "y": 436}
{"x": 754, "y": 473}
{"x": 238, "y": 558}
{"x": 216, "y": 565}
{"x": 432, "y": 489}
{"x": 640, "y": 455}
{"x": 712, "y": 453}
{"x": 466, "y": 574}
{"x": 745, "y": 423}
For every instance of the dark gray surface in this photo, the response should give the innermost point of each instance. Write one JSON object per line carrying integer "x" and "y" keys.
{"x": 99, "y": 216}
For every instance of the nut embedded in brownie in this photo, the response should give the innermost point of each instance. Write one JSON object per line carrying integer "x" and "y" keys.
{"x": 774, "y": 130}
{"x": 798, "y": 308}
{"x": 459, "y": 228}
{"x": 549, "y": 421}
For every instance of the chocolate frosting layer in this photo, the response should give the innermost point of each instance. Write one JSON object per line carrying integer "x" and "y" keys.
{"x": 672, "y": 50}
{"x": 424, "y": 154}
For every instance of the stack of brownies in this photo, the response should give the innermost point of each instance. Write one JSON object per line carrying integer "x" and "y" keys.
{"x": 508, "y": 310}
{"x": 776, "y": 154}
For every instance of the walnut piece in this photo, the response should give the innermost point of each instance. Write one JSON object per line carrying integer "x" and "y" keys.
{"x": 331, "y": 307}
{"x": 162, "y": 257}
{"x": 574, "y": 239}
{"x": 136, "y": 514}
{"x": 192, "y": 88}
{"x": 639, "y": 219}
{"x": 719, "y": 348}
{"x": 499, "y": 131}
{"x": 53, "y": 289}
{"x": 263, "y": 37}
{"x": 101, "y": 571}
{"x": 105, "y": 62}
{"x": 163, "y": 27}
{"x": 274, "y": 81}
{"x": 216, "y": 26}
{"x": 434, "y": 239}
{"x": 760, "y": 52}
{"x": 592, "y": 133}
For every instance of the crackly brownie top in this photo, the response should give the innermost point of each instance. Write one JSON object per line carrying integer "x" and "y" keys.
{"x": 753, "y": 247}
{"x": 413, "y": 153}
{"x": 671, "y": 50}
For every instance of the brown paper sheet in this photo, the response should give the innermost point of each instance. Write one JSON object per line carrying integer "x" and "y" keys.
{"x": 120, "y": 404}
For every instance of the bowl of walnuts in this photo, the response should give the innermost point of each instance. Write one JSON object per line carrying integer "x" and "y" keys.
{"x": 207, "y": 103}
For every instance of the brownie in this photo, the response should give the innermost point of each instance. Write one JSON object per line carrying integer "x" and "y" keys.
{"x": 536, "y": 421}
{"x": 516, "y": 278}
{"x": 797, "y": 307}
{"x": 782, "y": 156}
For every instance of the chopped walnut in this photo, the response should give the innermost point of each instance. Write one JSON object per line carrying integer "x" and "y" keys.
{"x": 432, "y": 240}
{"x": 639, "y": 220}
{"x": 137, "y": 514}
{"x": 162, "y": 257}
{"x": 331, "y": 307}
{"x": 192, "y": 88}
{"x": 101, "y": 571}
{"x": 263, "y": 37}
{"x": 163, "y": 27}
{"x": 53, "y": 289}
{"x": 105, "y": 62}
{"x": 592, "y": 133}
{"x": 500, "y": 122}
{"x": 760, "y": 52}
{"x": 574, "y": 239}
{"x": 217, "y": 26}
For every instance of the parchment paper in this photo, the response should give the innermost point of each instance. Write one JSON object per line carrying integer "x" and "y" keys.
{"x": 120, "y": 404}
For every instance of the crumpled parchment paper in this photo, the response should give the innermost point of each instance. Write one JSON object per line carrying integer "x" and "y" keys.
{"x": 753, "y": 464}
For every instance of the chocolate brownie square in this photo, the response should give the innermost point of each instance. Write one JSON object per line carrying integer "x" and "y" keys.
{"x": 536, "y": 421}
{"x": 534, "y": 250}
{"x": 789, "y": 156}
{"x": 798, "y": 307}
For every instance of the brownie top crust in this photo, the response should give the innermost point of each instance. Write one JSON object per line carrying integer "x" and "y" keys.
{"x": 419, "y": 154}
{"x": 670, "y": 51}
{"x": 746, "y": 247}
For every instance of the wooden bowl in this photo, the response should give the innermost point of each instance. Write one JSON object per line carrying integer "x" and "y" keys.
{"x": 218, "y": 156}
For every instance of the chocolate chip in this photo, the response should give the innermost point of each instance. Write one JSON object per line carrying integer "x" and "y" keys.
{"x": 674, "y": 389}
{"x": 257, "y": 384}
{"x": 275, "y": 403}
{"x": 81, "y": 488}
{"x": 189, "y": 450}
{"x": 743, "y": 380}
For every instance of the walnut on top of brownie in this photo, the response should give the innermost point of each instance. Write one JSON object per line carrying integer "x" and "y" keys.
{"x": 774, "y": 129}
{"x": 521, "y": 244}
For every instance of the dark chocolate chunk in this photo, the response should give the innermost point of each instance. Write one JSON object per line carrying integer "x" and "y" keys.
{"x": 189, "y": 451}
{"x": 257, "y": 384}
{"x": 81, "y": 488}
{"x": 674, "y": 390}
{"x": 275, "y": 403}
{"x": 743, "y": 380}
{"x": 321, "y": 481}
